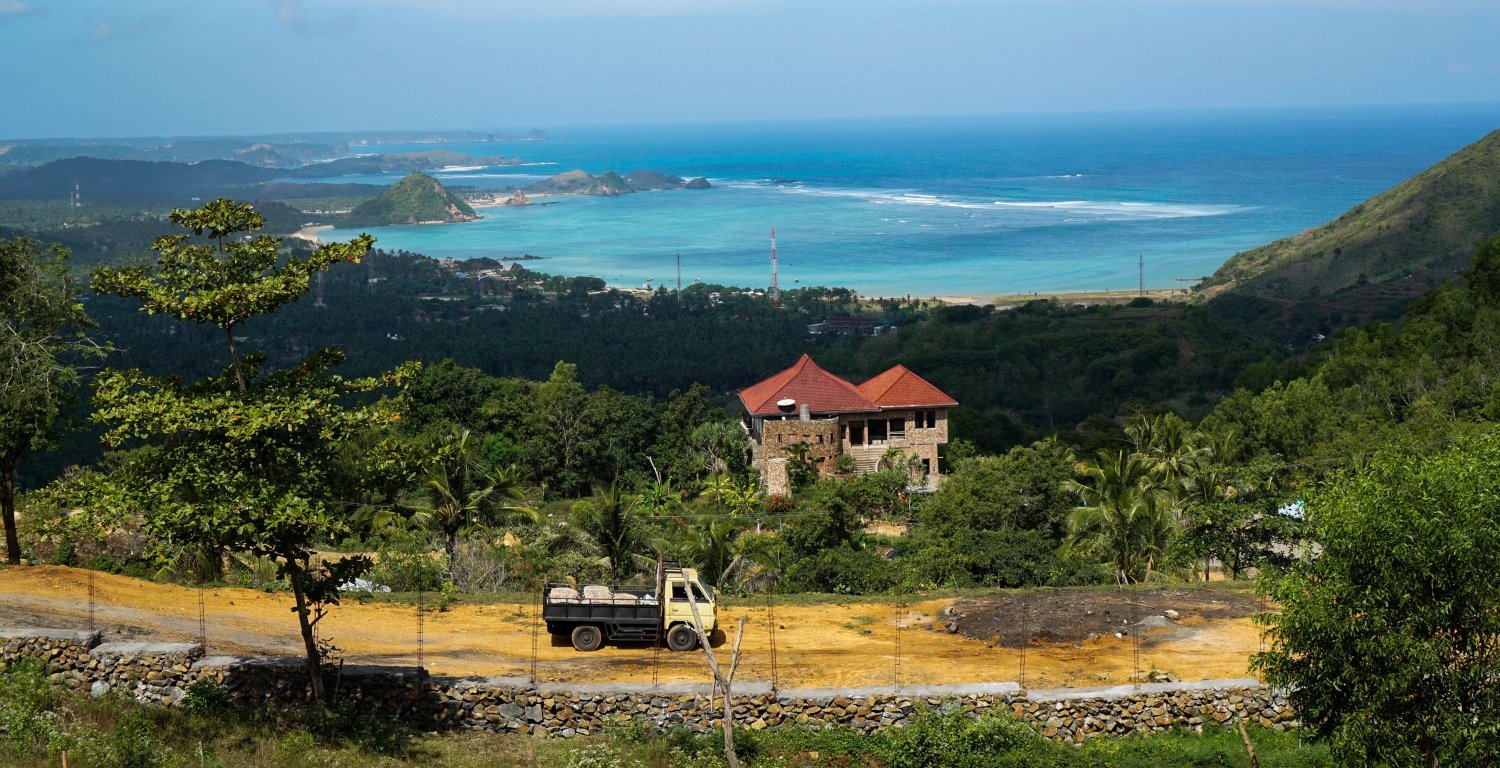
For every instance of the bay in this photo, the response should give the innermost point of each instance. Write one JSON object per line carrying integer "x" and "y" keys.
{"x": 945, "y": 206}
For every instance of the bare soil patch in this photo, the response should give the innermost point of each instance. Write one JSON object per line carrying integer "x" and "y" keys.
{"x": 816, "y": 646}
{"x": 1078, "y": 615}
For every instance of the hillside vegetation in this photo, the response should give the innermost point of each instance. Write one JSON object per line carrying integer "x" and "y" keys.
{"x": 416, "y": 199}
{"x": 1420, "y": 232}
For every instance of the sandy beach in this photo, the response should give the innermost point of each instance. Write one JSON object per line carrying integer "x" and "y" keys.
{"x": 1124, "y": 296}
{"x": 311, "y": 233}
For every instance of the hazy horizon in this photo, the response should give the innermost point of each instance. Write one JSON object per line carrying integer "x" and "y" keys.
{"x": 165, "y": 68}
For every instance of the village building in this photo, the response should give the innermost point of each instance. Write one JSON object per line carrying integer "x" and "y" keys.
{"x": 805, "y": 405}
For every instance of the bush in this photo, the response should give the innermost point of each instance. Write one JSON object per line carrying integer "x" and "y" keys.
{"x": 961, "y": 741}
{"x": 407, "y": 564}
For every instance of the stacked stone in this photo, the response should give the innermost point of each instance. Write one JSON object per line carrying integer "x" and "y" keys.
{"x": 1074, "y": 719}
{"x": 161, "y": 673}
{"x": 151, "y": 673}
{"x": 65, "y": 651}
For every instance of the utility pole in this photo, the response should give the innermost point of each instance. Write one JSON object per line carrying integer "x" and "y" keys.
{"x": 775, "y": 284}
{"x": 679, "y": 277}
{"x": 1140, "y": 265}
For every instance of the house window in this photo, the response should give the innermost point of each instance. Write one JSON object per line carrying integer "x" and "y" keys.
{"x": 820, "y": 439}
{"x": 877, "y": 430}
{"x": 898, "y": 427}
{"x": 779, "y": 438}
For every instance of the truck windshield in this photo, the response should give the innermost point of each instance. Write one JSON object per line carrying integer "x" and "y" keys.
{"x": 679, "y": 593}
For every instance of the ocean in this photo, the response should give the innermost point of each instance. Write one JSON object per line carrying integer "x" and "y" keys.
{"x": 945, "y": 206}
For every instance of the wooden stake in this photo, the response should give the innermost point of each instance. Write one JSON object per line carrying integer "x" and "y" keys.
{"x": 723, "y": 681}
{"x": 1249, "y": 748}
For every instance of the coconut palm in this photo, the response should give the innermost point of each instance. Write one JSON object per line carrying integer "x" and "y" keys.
{"x": 461, "y": 497}
{"x": 1126, "y": 518}
{"x": 612, "y": 517}
{"x": 1130, "y": 530}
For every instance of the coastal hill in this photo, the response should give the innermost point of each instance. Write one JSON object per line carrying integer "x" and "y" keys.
{"x": 416, "y": 199}
{"x": 611, "y": 183}
{"x": 1400, "y": 242}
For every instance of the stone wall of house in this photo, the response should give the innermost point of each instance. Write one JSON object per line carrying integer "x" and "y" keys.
{"x": 162, "y": 674}
{"x": 821, "y": 435}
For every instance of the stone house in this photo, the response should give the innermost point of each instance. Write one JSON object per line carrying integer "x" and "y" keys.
{"x": 805, "y": 404}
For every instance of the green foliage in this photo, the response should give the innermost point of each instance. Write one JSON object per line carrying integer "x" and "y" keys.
{"x": 249, "y": 460}
{"x": 42, "y": 325}
{"x": 1019, "y": 491}
{"x": 957, "y": 740}
{"x": 1387, "y": 635}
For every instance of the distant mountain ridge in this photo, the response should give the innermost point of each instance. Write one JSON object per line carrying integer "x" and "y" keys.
{"x": 416, "y": 199}
{"x": 1428, "y": 225}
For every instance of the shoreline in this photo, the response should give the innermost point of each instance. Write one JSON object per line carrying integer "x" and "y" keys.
{"x": 1079, "y": 297}
{"x": 310, "y": 233}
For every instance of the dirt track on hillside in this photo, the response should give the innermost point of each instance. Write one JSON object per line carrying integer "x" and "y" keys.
{"x": 826, "y": 645}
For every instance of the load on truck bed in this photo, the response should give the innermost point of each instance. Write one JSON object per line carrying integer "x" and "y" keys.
{"x": 596, "y": 614}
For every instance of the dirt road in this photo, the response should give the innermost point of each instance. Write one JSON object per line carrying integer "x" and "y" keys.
{"x": 817, "y": 646}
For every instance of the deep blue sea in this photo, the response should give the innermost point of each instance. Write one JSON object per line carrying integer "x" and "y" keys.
{"x": 949, "y": 206}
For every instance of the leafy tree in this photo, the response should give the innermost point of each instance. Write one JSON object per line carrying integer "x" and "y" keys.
{"x": 248, "y": 460}
{"x": 1389, "y": 633}
{"x": 1022, "y": 490}
{"x": 42, "y": 337}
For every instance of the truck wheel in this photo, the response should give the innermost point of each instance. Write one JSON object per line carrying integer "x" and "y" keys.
{"x": 682, "y": 638}
{"x": 587, "y": 637}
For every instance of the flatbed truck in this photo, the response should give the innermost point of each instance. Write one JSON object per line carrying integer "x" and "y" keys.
{"x": 596, "y": 614}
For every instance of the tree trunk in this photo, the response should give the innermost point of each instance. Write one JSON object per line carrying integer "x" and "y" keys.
{"x": 451, "y": 545}
{"x": 310, "y": 644}
{"x": 8, "y": 508}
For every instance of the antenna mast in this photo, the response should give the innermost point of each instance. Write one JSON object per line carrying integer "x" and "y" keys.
{"x": 679, "y": 277}
{"x": 1140, "y": 265}
{"x": 775, "y": 284}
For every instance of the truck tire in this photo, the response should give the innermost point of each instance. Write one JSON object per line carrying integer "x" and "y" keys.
{"x": 587, "y": 637}
{"x": 682, "y": 638}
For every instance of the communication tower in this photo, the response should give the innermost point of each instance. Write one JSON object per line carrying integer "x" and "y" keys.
{"x": 1140, "y": 265}
{"x": 775, "y": 280}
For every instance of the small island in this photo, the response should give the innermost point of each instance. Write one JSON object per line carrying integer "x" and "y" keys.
{"x": 416, "y": 199}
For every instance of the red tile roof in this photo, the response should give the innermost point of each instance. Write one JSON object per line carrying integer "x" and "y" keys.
{"x": 900, "y": 388}
{"x": 805, "y": 382}
{"x": 825, "y": 393}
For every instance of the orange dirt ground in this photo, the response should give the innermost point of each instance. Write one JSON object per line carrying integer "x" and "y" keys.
{"x": 824, "y": 645}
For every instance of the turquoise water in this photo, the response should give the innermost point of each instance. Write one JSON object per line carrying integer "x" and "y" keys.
{"x": 950, "y": 206}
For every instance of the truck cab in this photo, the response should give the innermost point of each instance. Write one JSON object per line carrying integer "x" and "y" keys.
{"x": 656, "y": 614}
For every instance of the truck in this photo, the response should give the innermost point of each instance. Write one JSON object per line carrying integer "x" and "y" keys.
{"x": 595, "y": 614}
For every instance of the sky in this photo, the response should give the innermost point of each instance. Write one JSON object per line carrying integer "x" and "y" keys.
{"x": 102, "y": 68}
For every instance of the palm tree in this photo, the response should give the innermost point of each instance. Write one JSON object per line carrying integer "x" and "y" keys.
{"x": 1130, "y": 531}
{"x": 611, "y": 517}
{"x": 1126, "y": 518}
{"x": 461, "y": 497}
{"x": 711, "y": 547}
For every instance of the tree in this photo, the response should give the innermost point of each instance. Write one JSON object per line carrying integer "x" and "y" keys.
{"x": 1389, "y": 635}
{"x": 247, "y": 460}
{"x": 611, "y": 516}
{"x": 1022, "y": 490}
{"x": 1125, "y": 519}
{"x": 463, "y": 496}
{"x": 42, "y": 336}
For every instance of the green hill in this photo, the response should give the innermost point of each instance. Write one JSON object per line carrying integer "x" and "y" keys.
{"x": 1421, "y": 232}
{"x": 416, "y": 199}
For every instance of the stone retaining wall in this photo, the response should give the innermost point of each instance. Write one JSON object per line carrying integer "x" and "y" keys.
{"x": 162, "y": 673}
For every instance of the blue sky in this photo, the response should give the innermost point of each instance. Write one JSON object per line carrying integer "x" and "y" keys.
{"x": 94, "y": 68}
